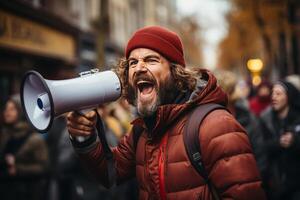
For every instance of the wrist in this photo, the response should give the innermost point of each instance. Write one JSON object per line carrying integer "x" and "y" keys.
{"x": 80, "y": 139}
{"x": 83, "y": 141}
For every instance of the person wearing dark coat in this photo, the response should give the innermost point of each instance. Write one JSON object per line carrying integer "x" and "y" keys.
{"x": 23, "y": 157}
{"x": 280, "y": 125}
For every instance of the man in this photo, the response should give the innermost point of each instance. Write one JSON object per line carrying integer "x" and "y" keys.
{"x": 280, "y": 125}
{"x": 164, "y": 92}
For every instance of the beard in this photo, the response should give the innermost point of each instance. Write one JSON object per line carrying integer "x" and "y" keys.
{"x": 165, "y": 94}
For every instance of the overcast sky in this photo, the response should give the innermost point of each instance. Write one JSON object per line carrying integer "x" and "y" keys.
{"x": 210, "y": 15}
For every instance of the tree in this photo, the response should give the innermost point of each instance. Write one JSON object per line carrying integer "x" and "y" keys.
{"x": 257, "y": 29}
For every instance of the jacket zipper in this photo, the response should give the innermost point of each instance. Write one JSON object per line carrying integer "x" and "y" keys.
{"x": 146, "y": 171}
{"x": 161, "y": 167}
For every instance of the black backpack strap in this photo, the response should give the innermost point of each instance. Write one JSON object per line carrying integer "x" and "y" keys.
{"x": 111, "y": 171}
{"x": 192, "y": 144}
{"x": 101, "y": 134}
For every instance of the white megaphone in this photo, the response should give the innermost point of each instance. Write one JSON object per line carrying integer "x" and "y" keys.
{"x": 43, "y": 100}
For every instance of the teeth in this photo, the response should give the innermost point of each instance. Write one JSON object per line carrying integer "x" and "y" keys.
{"x": 141, "y": 82}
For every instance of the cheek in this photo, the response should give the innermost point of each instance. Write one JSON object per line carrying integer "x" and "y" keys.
{"x": 284, "y": 101}
{"x": 166, "y": 73}
{"x": 281, "y": 101}
{"x": 11, "y": 115}
{"x": 14, "y": 114}
{"x": 130, "y": 77}
{"x": 165, "y": 79}
{"x": 161, "y": 76}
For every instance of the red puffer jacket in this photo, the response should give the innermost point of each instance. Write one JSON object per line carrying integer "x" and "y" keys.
{"x": 161, "y": 164}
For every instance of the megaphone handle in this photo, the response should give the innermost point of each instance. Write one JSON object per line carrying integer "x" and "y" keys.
{"x": 82, "y": 138}
{"x": 100, "y": 131}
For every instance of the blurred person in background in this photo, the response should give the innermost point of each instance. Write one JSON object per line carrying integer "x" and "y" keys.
{"x": 238, "y": 106}
{"x": 124, "y": 113}
{"x": 262, "y": 98}
{"x": 114, "y": 132}
{"x": 23, "y": 157}
{"x": 280, "y": 125}
{"x": 69, "y": 180}
{"x": 244, "y": 90}
{"x": 156, "y": 81}
{"x": 111, "y": 123}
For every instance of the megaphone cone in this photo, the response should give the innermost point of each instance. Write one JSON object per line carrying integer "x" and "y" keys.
{"x": 43, "y": 100}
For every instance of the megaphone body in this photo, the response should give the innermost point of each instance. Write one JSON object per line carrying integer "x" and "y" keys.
{"x": 43, "y": 100}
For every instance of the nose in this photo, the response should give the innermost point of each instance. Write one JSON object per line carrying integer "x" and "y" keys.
{"x": 141, "y": 66}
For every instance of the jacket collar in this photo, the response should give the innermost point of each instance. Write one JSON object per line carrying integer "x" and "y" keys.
{"x": 206, "y": 91}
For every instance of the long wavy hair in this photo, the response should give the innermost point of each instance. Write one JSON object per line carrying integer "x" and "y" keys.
{"x": 185, "y": 79}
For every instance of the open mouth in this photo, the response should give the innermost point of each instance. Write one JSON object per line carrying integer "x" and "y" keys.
{"x": 146, "y": 92}
{"x": 145, "y": 87}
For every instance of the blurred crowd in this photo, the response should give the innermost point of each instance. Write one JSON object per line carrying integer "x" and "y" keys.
{"x": 44, "y": 166}
{"x": 270, "y": 113}
{"x": 37, "y": 166}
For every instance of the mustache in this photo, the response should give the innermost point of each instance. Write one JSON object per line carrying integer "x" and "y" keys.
{"x": 143, "y": 77}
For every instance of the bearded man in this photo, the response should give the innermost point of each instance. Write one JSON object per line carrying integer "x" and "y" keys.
{"x": 156, "y": 81}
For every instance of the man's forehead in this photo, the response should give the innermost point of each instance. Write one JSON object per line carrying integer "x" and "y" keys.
{"x": 142, "y": 52}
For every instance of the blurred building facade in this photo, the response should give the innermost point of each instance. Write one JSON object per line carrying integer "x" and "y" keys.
{"x": 264, "y": 29}
{"x": 119, "y": 19}
{"x": 59, "y": 38}
{"x": 52, "y": 37}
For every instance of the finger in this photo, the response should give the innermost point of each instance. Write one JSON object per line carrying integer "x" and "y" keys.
{"x": 87, "y": 114}
{"x": 80, "y": 126}
{"x": 77, "y": 132}
{"x": 91, "y": 115}
{"x": 76, "y": 118}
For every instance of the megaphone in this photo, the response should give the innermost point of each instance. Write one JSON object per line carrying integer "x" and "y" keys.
{"x": 43, "y": 100}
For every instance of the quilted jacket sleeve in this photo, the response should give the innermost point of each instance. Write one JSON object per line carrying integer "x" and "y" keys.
{"x": 122, "y": 166}
{"x": 228, "y": 157}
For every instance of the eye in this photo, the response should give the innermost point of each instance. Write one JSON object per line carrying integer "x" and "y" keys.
{"x": 132, "y": 63}
{"x": 152, "y": 61}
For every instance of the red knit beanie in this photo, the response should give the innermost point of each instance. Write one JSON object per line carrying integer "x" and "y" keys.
{"x": 158, "y": 39}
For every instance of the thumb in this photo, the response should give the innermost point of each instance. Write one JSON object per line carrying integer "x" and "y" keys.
{"x": 91, "y": 115}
